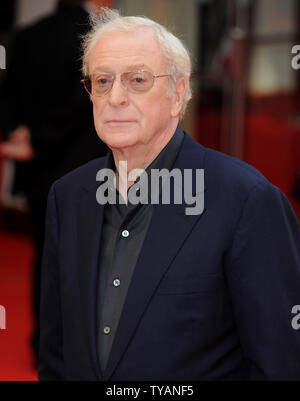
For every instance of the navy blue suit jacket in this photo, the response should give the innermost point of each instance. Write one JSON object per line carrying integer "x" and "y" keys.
{"x": 211, "y": 295}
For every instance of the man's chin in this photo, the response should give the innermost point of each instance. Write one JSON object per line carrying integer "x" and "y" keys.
{"x": 119, "y": 141}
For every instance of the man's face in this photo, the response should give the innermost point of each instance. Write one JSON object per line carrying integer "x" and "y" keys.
{"x": 124, "y": 119}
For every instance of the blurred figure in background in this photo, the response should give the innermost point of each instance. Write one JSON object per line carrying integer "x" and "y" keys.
{"x": 46, "y": 117}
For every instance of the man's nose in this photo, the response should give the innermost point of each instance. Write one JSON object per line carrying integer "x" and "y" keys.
{"x": 118, "y": 95}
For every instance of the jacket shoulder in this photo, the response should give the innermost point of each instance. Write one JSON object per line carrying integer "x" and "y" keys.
{"x": 219, "y": 168}
{"x": 83, "y": 177}
{"x": 232, "y": 169}
{"x": 228, "y": 181}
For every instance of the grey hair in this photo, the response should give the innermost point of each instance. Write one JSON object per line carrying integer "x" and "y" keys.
{"x": 178, "y": 62}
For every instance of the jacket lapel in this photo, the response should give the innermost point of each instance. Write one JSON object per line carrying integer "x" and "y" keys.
{"x": 167, "y": 232}
{"x": 90, "y": 219}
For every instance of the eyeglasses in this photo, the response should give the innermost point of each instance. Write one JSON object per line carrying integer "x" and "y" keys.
{"x": 134, "y": 81}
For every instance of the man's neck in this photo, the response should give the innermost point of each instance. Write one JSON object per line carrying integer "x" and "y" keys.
{"x": 138, "y": 158}
{"x": 142, "y": 155}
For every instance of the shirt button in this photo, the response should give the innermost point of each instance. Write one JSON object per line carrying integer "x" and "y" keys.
{"x": 116, "y": 282}
{"x": 106, "y": 330}
{"x": 125, "y": 233}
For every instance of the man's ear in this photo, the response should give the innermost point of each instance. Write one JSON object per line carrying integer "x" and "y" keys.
{"x": 178, "y": 96}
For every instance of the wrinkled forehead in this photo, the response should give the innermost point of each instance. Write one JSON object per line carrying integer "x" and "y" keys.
{"x": 119, "y": 51}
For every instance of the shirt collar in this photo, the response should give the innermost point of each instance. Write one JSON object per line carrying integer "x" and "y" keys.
{"x": 164, "y": 160}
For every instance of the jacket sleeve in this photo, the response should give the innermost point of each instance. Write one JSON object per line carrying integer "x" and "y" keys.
{"x": 263, "y": 272}
{"x": 51, "y": 363}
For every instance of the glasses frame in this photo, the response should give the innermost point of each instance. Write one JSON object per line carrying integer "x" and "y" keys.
{"x": 87, "y": 78}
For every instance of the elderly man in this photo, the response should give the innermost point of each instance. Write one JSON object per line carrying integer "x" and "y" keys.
{"x": 144, "y": 290}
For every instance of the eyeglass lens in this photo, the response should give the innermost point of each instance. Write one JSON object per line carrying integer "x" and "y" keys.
{"x": 136, "y": 81}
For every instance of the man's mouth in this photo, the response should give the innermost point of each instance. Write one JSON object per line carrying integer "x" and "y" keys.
{"x": 118, "y": 122}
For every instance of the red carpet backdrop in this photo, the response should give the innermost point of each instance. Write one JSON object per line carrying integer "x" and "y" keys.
{"x": 16, "y": 362}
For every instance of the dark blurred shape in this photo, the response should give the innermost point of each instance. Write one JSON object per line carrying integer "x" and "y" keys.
{"x": 42, "y": 98}
{"x": 213, "y": 27}
{"x": 70, "y": 3}
{"x": 7, "y": 11}
{"x": 297, "y": 185}
{"x": 224, "y": 47}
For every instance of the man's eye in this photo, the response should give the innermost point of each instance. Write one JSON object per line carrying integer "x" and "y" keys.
{"x": 102, "y": 81}
{"x": 137, "y": 80}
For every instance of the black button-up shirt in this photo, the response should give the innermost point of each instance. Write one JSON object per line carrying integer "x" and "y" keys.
{"x": 123, "y": 233}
